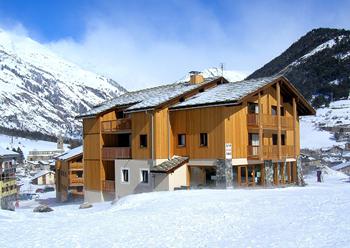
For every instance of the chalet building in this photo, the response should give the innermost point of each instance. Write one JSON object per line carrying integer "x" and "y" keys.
{"x": 8, "y": 186}
{"x": 69, "y": 174}
{"x": 200, "y": 133}
{"x": 44, "y": 177}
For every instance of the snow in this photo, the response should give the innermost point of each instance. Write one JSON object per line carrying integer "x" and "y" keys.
{"x": 27, "y": 145}
{"x": 317, "y": 215}
{"x": 4, "y": 152}
{"x": 42, "y": 173}
{"x": 71, "y": 153}
{"x": 341, "y": 166}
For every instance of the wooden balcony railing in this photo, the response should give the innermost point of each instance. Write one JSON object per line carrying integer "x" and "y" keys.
{"x": 270, "y": 152}
{"x": 112, "y": 153}
{"x": 76, "y": 180}
{"x": 108, "y": 186}
{"x": 116, "y": 125}
{"x": 269, "y": 121}
{"x": 287, "y": 151}
{"x": 76, "y": 166}
{"x": 253, "y": 151}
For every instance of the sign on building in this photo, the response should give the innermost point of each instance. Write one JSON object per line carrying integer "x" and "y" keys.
{"x": 228, "y": 151}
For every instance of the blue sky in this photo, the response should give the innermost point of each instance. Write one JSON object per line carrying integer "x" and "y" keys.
{"x": 142, "y": 43}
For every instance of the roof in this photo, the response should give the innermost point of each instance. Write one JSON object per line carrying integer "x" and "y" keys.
{"x": 169, "y": 165}
{"x": 224, "y": 93}
{"x": 7, "y": 153}
{"x": 341, "y": 166}
{"x": 42, "y": 173}
{"x": 146, "y": 98}
{"x": 71, "y": 153}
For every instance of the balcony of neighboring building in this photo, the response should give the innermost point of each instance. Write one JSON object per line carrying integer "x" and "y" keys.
{"x": 119, "y": 125}
{"x": 76, "y": 166}
{"x": 76, "y": 179}
{"x": 117, "y": 146}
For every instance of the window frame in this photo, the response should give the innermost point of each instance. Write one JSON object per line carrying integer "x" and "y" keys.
{"x": 141, "y": 175}
{"x": 122, "y": 175}
{"x": 206, "y": 139}
{"x": 141, "y": 146}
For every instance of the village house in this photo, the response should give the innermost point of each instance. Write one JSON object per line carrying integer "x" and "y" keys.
{"x": 44, "y": 177}
{"x": 69, "y": 174}
{"x": 201, "y": 133}
{"x": 343, "y": 167}
{"x": 8, "y": 186}
{"x": 46, "y": 155}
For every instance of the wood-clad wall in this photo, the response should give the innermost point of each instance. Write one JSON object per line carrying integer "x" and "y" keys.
{"x": 140, "y": 124}
{"x": 92, "y": 153}
{"x": 161, "y": 134}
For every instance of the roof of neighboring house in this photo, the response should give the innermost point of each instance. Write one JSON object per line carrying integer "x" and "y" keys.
{"x": 229, "y": 92}
{"x": 71, "y": 153}
{"x": 169, "y": 165}
{"x": 7, "y": 153}
{"x": 341, "y": 166}
{"x": 146, "y": 98}
{"x": 41, "y": 173}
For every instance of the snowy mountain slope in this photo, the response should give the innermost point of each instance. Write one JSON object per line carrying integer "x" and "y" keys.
{"x": 41, "y": 92}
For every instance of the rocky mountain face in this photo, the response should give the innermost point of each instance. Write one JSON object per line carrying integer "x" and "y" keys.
{"x": 41, "y": 93}
{"x": 318, "y": 64}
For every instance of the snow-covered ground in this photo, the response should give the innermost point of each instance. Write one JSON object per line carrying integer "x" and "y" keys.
{"x": 27, "y": 145}
{"x": 317, "y": 215}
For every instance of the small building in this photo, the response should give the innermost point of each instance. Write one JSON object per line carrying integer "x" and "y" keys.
{"x": 343, "y": 167}
{"x": 8, "y": 187}
{"x": 69, "y": 174}
{"x": 44, "y": 177}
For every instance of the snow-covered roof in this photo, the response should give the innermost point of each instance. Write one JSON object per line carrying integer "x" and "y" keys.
{"x": 146, "y": 98}
{"x": 169, "y": 165}
{"x": 71, "y": 153}
{"x": 4, "y": 152}
{"x": 229, "y": 92}
{"x": 42, "y": 173}
{"x": 341, "y": 166}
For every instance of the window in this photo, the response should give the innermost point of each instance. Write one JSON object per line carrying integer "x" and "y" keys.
{"x": 203, "y": 139}
{"x": 273, "y": 110}
{"x": 143, "y": 140}
{"x": 253, "y": 139}
{"x": 144, "y": 175}
{"x": 120, "y": 115}
{"x": 274, "y": 139}
{"x": 253, "y": 108}
{"x": 125, "y": 175}
{"x": 181, "y": 140}
{"x": 283, "y": 139}
{"x": 282, "y": 111}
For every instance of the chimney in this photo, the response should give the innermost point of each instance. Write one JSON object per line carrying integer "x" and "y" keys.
{"x": 196, "y": 77}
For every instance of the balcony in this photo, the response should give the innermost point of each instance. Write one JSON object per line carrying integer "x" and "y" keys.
{"x": 76, "y": 180}
{"x": 269, "y": 121}
{"x": 76, "y": 166}
{"x": 270, "y": 152}
{"x": 287, "y": 151}
{"x": 116, "y": 125}
{"x": 108, "y": 186}
{"x": 253, "y": 152}
{"x": 112, "y": 153}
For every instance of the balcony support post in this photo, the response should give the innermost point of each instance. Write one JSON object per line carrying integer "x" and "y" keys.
{"x": 279, "y": 132}
{"x": 295, "y": 116}
{"x": 260, "y": 127}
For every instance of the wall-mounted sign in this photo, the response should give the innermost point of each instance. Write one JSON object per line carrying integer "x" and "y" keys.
{"x": 228, "y": 151}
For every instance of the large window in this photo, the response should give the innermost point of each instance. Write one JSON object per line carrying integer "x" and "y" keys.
{"x": 253, "y": 108}
{"x": 144, "y": 174}
{"x": 143, "y": 140}
{"x": 203, "y": 139}
{"x": 274, "y": 139}
{"x": 181, "y": 139}
{"x": 125, "y": 175}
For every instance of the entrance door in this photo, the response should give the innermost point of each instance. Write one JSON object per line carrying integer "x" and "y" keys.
{"x": 242, "y": 175}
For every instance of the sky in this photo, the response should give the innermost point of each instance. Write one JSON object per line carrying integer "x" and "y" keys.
{"x": 143, "y": 43}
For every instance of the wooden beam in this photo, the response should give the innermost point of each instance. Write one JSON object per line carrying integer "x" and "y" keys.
{"x": 295, "y": 116}
{"x": 279, "y": 130}
{"x": 260, "y": 128}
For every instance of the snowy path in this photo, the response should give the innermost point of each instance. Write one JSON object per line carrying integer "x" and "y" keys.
{"x": 314, "y": 216}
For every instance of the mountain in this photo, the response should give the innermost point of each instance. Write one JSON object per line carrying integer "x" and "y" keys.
{"x": 318, "y": 64}
{"x": 42, "y": 93}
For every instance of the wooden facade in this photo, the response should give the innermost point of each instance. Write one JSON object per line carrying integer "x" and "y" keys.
{"x": 271, "y": 133}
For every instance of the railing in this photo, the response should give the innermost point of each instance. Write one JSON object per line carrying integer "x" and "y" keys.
{"x": 76, "y": 180}
{"x": 76, "y": 166}
{"x": 253, "y": 151}
{"x": 269, "y": 121}
{"x": 108, "y": 186}
{"x": 270, "y": 152}
{"x": 287, "y": 151}
{"x": 111, "y": 153}
{"x": 116, "y": 125}
{"x": 253, "y": 119}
